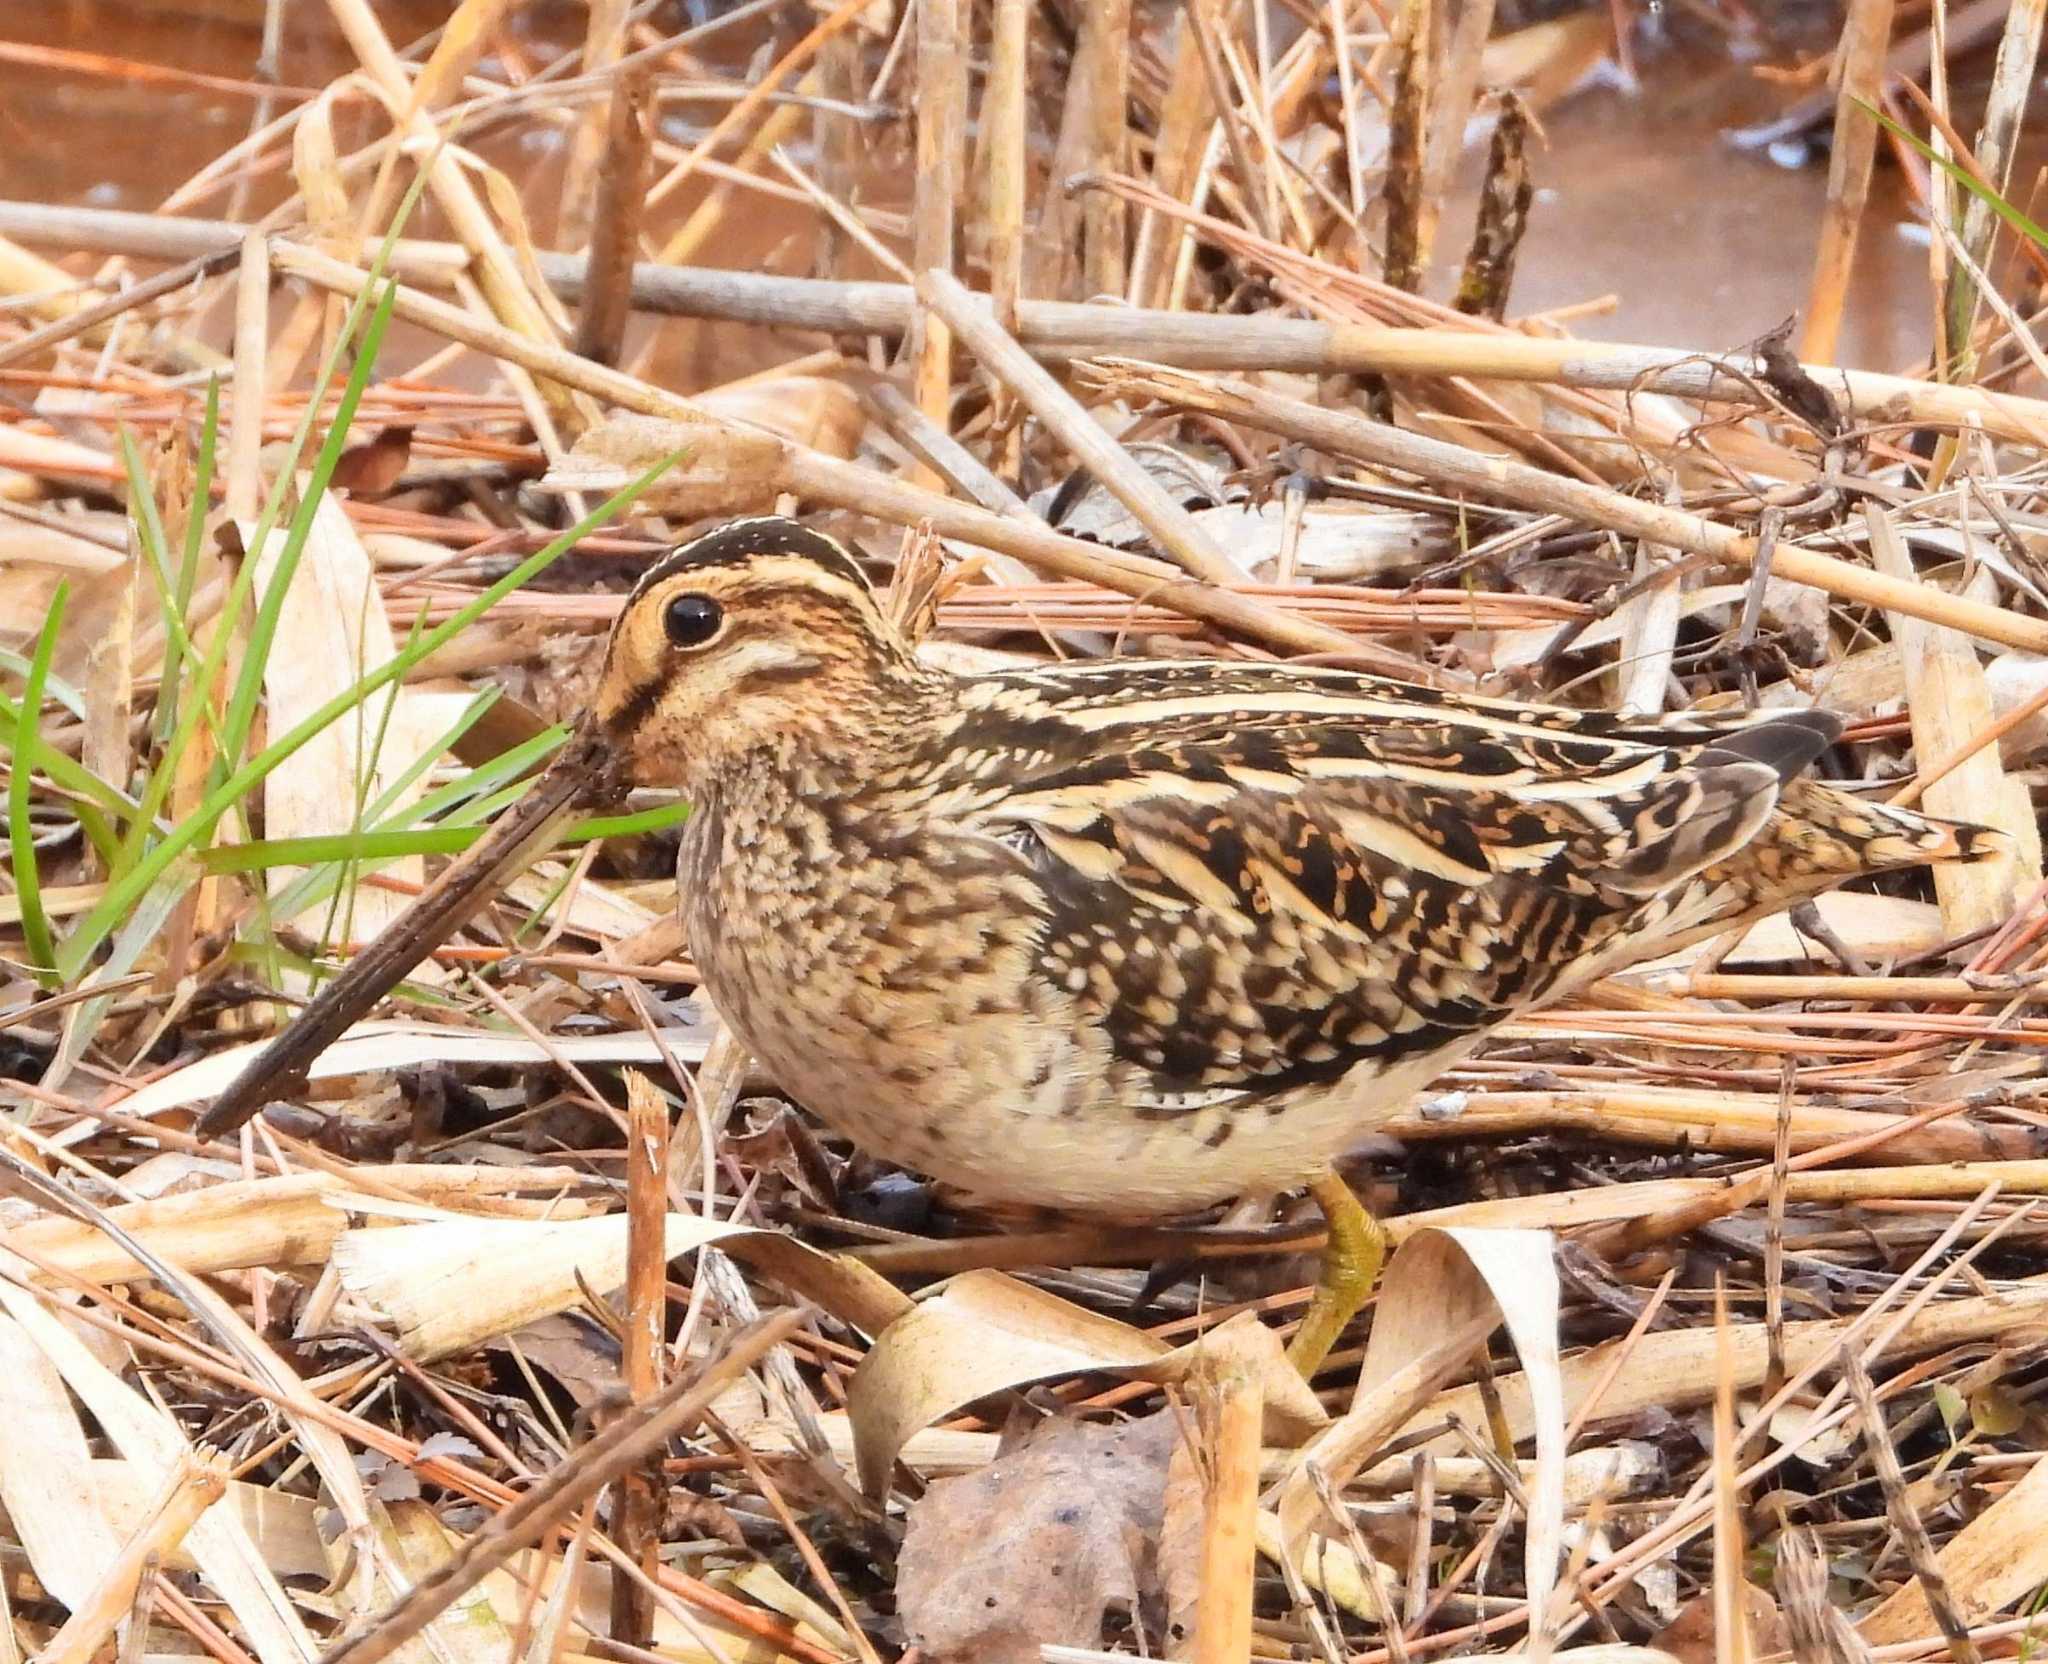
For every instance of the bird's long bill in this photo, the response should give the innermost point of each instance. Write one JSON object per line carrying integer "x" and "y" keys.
{"x": 443, "y": 907}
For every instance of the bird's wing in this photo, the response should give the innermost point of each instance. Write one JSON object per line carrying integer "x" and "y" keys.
{"x": 1278, "y": 880}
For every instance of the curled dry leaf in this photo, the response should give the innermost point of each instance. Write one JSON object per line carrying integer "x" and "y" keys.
{"x": 374, "y": 468}
{"x": 1040, "y": 1545}
{"x": 450, "y": 1285}
{"x": 1444, "y": 1291}
{"x": 987, "y": 1332}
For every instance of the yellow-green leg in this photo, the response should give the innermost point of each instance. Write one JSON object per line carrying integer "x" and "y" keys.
{"x": 1352, "y": 1257}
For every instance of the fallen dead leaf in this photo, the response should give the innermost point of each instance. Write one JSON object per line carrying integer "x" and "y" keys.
{"x": 1040, "y": 1546}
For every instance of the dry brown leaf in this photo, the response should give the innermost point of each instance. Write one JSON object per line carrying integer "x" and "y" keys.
{"x": 374, "y": 468}
{"x": 817, "y": 411}
{"x": 1039, "y": 1546}
{"x": 1691, "y": 1639}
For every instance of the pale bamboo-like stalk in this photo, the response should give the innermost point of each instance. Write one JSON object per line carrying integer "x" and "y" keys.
{"x": 1865, "y": 35}
{"x": 1184, "y": 123}
{"x": 1948, "y": 701}
{"x": 1004, "y": 117}
{"x": 1107, "y": 23}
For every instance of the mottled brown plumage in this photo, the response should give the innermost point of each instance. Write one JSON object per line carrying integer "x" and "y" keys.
{"x": 1131, "y": 938}
{"x": 1138, "y": 937}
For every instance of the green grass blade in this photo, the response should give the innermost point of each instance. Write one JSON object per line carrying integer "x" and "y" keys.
{"x": 1963, "y": 177}
{"x": 241, "y": 712}
{"x": 378, "y": 844}
{"x": 123, "y": 893}
{"x": 28, "y": 887}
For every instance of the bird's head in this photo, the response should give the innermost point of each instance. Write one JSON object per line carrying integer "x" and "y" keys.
{"x": 760, "y": 640}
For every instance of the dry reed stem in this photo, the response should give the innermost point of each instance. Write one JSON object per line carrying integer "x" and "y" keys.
{"x": 613, "y": 223}
{"x": 1408, "y": 217}
{"x": 1949, "y": 702}
{"x": 941, "y": 146}
{"x": 2012, "y": 76}
{"x": 1904, "y": 1515}
{"x": 597, "y": 133}
{"x": 1866, "y": 34}
{"x": 497, "y": 270}
{"x": 1105, "y": 50}
{"x": 1059, "y": 330}
{"x": 814, "y": 476}
{"x": 1004, "y": 122}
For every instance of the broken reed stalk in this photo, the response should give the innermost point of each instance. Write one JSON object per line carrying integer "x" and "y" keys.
{"x": 1229, "y": 1400}
{"x": 1866, "y": 33}
{"x": 593, "y": 141}
{"x": 1106, "y": 51}
{"x": 193, "y": 1486}
{"x": 1407, "y": 235}
{"x": 1949, "y": 701}
{"x": 1904, "y": 1514}
{"x": 1005, "y": 128}
{"x": 1504, "y": 201}
{"x": 637, "y": 1513}
{"x": 941, "y": 146}
{"x": 1495, "y": 479}
{"x": 621, "y": 190}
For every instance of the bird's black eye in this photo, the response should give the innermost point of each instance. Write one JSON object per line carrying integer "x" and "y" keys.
{"x": 692, "y": 620}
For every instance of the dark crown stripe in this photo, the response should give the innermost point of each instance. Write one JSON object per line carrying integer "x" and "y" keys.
{"x": 741, "y": 541}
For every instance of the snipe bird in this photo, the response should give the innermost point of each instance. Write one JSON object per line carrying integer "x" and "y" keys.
{"x": 1131, "y": 938}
